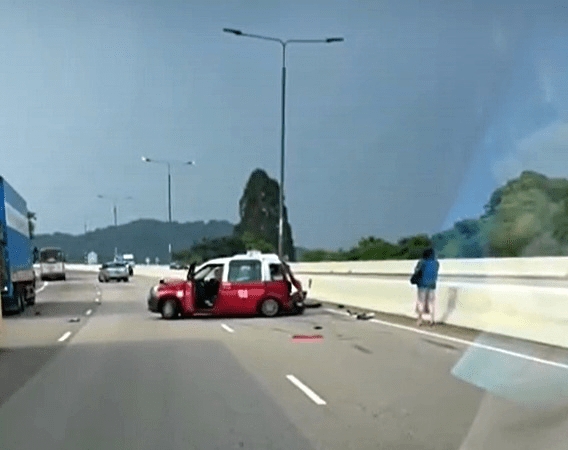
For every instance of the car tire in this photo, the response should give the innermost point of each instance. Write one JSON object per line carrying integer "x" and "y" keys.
{"x": 21, "y": 301}
{"x": 169, "y": 309}
{"x": 126, "y": 280}
{"x": 299, "y": 310}
{"x": 31, "y": 301}
{"x": 269, "y": 307}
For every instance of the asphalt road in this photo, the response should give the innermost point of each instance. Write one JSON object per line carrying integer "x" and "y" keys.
{"x": 121, "y": 378}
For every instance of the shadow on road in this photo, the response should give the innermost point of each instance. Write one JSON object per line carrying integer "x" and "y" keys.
{"x": 54, "y": 309}
{"x": 18, "y": 365}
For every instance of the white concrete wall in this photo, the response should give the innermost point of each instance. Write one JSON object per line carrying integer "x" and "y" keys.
{"x": 491, "y": 267}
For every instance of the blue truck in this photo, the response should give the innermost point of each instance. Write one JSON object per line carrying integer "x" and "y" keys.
{"x": 17, "y": 275}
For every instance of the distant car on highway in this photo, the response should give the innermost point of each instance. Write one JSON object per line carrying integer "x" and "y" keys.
{"x": 175, "y": 265}
{"x": 249, "y": 284}
{"x": 114, "y": 271}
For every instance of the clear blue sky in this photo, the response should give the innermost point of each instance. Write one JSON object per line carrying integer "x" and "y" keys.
{"x": 404, "y": 127}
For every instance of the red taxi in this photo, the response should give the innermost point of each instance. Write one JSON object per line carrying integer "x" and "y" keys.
{"x": 249, "y": 284}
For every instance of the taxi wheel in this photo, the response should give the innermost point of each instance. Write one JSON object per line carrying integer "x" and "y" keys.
{"x": 299, "y": 310}
{"x": 269, "y": 307}
{"x": 21, "y": 301}
{"x": 169, "y": 309}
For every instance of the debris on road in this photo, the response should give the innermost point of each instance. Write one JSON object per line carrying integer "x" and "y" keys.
{"x": 307, "y": 337}
{"x": 313, "y": 305}
{"x": 317, "y": 327}
{"x": 75, "y": 319}
{"x": 365, "y": 316}
{"x": 341, "y": 306}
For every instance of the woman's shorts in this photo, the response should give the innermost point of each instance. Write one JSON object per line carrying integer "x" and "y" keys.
{"x": 426, "y": 294}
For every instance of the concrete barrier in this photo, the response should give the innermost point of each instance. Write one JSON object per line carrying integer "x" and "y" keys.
{"x": 545, "y": 267}
{"x": 141, "y": 270}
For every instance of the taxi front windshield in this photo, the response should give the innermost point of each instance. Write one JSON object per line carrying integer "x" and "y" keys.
{"x": 207, "y": 272}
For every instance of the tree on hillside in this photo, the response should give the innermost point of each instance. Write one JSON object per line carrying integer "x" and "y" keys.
{"x": 211, "y": 248}
{"x": 531, "y": 218}
{"x": 372, "y": 248}
{"x": 413, "y": 247}
{"x": 259, "y": 213}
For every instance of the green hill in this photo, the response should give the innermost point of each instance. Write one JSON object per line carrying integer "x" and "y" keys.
{"x": 144, "y": 238}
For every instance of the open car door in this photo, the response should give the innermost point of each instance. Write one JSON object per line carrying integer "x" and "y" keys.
{"x": 189, "y": 300}
{"x": 191, "y": 272}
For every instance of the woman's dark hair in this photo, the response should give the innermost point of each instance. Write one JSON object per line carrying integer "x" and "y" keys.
{"x": 428, "y": 253}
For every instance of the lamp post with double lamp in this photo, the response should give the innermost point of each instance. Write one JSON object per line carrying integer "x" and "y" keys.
{"x": 169, "y": 164}
{"x": 114, "y": 201}
{"x": 283, "y": 43}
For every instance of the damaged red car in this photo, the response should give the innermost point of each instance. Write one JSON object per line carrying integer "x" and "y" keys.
{"x": 249, "y": 284}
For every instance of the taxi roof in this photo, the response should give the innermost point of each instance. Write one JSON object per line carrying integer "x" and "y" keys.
{"x": 269, "y": 257}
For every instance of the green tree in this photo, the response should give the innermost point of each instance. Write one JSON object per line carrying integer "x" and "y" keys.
{"x": 372, "y": 248}
{"x": 252, "y": 242}
{"x": 530, "y": 208}
{"x": 413, "y": 247}
{"x": 211, "y": 248}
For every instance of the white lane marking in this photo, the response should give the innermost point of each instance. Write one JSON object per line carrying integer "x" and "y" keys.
{"x": 227, "y": 328}
{"x": 89, "y": 312}
{"x": 64, "y": 337}
{"x": 462, "y": 341}
{"x": 306, "y": 390}
{"x": 42, "y": 287}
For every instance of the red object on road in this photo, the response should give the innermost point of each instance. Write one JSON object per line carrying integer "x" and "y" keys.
{"x": 307, "y": 337}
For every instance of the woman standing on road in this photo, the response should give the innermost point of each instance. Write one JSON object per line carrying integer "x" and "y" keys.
{"x": 425, "y": 277}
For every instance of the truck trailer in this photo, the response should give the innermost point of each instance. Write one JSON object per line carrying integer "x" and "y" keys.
{"x": 17, "y": 276}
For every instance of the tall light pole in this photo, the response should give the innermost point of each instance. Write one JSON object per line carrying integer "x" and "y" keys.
{"x": 283, "y": 43}
{"x": 114, "y": 205}
{"x": 169, "y": 164}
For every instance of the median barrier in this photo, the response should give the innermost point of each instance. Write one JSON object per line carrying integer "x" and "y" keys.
{"x": 141, "y": 270}
{"x": 537, "y": 267}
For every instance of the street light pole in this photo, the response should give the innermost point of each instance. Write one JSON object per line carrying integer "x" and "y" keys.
{"x": 114, "y": 201}
{"x": 283, "y": 44}
{"x": 282, "y": 157}
{"x": 169, "y": 194}
{"x": 169, "y": 164}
